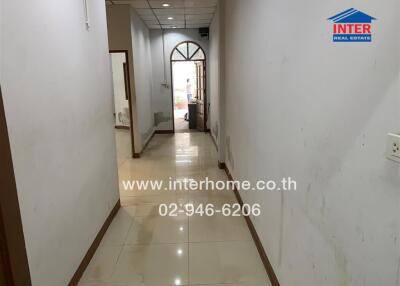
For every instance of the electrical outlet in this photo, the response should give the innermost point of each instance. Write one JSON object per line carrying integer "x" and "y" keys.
{"x": 393, "y": 147}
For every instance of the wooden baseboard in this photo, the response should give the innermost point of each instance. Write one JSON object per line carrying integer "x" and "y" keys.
{"x": 164, "y": 132}
{"x": 122, "y": 127}
{"x": 14, "y": 266}
{"x": 263, "y": 255}
{"x": 148, "y": 141}
{"x": 138, "y": 155}
{"x": 92, "y": 249}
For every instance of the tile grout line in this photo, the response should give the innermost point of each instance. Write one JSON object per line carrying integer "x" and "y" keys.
{"x": 120, "y": 252}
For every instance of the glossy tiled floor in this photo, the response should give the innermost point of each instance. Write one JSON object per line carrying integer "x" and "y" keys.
{"x": 142, "y": 248}
{"x": 181, "y": 125}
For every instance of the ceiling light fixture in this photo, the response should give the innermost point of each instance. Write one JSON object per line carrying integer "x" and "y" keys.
{"x": 170, "y": 18}
{"x": 166, "y": 5}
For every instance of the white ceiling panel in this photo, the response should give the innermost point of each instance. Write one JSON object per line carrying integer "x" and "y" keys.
{"x": 144, "y": 12}
{"x": 174, "y": 18}
{"x": 173, "y": 26}
{"x": 148, "y": 18}
{"x": 154, "y": 27}
{"x": 200, "y": 17}
{"x": 184, "y": 13}
{"x": 151, "y": 23}
{"x": 140, "y": 4}
{"x": 200, "y": 3}
{"x": 190, "y": 22}
{"x": 196, "y": 26}
{"x": 189, "y": 11}
{"x": 169, "y": 12}
{"x": 157, "y": 4}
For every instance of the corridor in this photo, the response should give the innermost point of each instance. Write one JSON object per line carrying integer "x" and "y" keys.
{"x": 143, "y": 248}
{"x": 107, "y": 106}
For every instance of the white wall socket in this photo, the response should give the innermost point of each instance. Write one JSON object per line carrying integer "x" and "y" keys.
{"x": 393, "y": 147}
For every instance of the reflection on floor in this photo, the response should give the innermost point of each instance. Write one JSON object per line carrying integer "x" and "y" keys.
{"x": 142, "y": 248}
{"x": 181, "y": 125}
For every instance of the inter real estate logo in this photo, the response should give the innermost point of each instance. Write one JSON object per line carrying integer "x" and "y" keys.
{"x": 352, "y": 26}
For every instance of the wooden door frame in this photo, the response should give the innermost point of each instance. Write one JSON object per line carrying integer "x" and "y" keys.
{"x": 129, "y": 97}
{"x": 12, "y": 242}
{"x": 205, "y": 81}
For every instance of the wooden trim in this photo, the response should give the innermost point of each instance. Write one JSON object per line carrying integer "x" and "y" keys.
{"x": 122, "y": 127}
{"x": 147, "y": 143}
{"x": 181, "y": 54}
{"x": 195, "y": 53}
{"x": 129, "y": 98}
{"x": 139, "y": 155}
{"x": 164, "y": 132}
{"x": 186, "y": 58}
{"x": 261, "y": 251}
{"x": 222, "y": 166}
{"x": 92, "y": 249}
{"x": 126, "y": 81}
{"x": 15, "y": 266}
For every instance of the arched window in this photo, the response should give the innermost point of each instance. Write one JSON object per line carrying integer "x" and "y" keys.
{"x": 188, "y": 51}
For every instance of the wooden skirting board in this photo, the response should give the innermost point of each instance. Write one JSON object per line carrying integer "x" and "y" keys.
{"x": 164, "y": 132}
{"x": 92, "y": 249}
{"x": 122, "y": 127}
{"x": 14, "y": 266}
{"x": 138, "y": 155}
{"x": 263, "y": 255}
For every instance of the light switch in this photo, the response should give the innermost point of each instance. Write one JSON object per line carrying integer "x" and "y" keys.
{"x": 393, "y": 147}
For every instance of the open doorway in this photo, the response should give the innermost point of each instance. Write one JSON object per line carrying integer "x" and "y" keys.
{"x": 188, "y": 70}
{"x": 122, "y": 105}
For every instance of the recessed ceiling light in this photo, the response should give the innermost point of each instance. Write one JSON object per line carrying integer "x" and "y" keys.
{"x": 166, "y": 5}
{"x": 174, "y": 27}
{"x": 170, "y": 18}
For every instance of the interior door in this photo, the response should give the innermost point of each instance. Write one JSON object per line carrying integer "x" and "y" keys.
{"x": 201, "y": 95}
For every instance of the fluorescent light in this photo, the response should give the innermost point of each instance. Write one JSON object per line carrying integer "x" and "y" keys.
{"x": 166, "y": 5}
{"x": 170, "y": 18}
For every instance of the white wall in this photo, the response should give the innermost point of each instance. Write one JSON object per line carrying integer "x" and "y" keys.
{"x": 121, "y": 104}
{"x": 57, "y": 93}
{"x": 142, "y": 66}
{"x": 214, "y": 76}
{"x": 299, "y": 105}
{"x": 128, "y": 32}
{"x": 120, "y": 38}
{"x": 162, "y": 98}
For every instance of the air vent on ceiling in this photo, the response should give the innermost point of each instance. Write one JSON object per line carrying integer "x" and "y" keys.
{"x": 204, "y": 32}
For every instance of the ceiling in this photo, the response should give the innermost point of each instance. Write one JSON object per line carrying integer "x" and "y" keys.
{"x": 171, "y": 14}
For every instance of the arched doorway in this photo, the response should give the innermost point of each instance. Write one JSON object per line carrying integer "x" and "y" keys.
{"x": 189, "y": 98}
